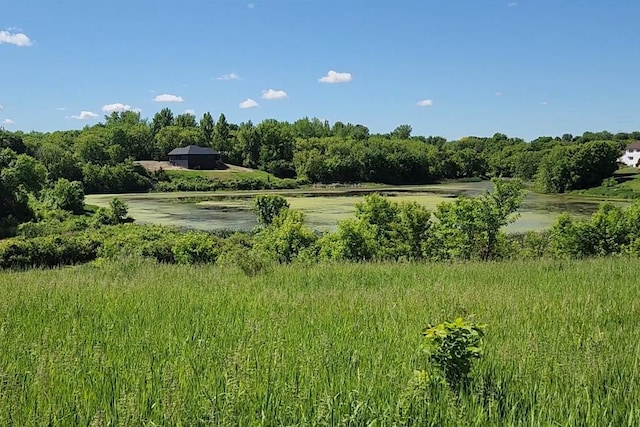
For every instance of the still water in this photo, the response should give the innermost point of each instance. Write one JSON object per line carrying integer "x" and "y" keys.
{"x": 324, "y": 207}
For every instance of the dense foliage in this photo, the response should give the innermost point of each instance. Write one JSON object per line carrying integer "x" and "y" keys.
{"x": 103, "y": 156}
{"x": 464, "y": 229}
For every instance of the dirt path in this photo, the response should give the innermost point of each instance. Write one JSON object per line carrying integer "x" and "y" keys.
{"x": 152, "y": 166}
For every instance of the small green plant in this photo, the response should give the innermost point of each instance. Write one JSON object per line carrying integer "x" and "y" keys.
{"x": 609, "y": 182}
{"x": 268, "y": 206}
{"x": 119, "y": 210}
{"x": 451, "y": 348}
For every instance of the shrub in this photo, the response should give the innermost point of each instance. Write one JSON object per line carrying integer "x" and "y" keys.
{"x": 285, "y": 237}
{"x": 195, "y": 248}
{"x": 49, "y": 251}
{"x": 119, "y": 210}
{"x": 451, "y": 348}
{"x": 249, "y": 261}
{"x": 470, "y": 228}
{"x": 267, "y": 207}
{"x": 67, "y": 195}
{"x": 353, "y": 241}
{"x": 382, "y": 229}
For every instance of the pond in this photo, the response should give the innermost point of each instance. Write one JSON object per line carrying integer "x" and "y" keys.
{"x": 324, "y": 207}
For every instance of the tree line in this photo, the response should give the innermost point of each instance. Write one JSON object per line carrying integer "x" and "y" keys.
{"x": 102, "y": 158}
{"x": 315, "y": 151}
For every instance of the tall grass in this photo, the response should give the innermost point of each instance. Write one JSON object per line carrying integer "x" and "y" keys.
{"x": 135, "y": 343}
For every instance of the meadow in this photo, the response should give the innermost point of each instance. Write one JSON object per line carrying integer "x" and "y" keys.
{"x": 137, "y": 343}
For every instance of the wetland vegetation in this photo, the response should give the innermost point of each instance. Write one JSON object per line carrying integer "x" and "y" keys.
{"x": 187, "y": 310}
{"x": 132, "y": 342}
{"x": 325, "y": 207}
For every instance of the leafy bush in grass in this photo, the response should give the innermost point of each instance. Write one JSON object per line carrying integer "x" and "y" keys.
{"x": 196, "y": 248}
{"x": 285, "y": 237}
{"x": 49, "y": 251}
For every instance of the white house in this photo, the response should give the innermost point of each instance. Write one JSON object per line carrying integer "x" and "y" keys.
{"x": 631, "y": 156}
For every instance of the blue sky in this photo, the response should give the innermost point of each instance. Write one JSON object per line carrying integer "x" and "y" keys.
{"x": 522, "y": 67}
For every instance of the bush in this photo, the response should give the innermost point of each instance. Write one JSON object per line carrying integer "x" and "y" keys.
{"x": 50, "y": 251}
{"x": 267, "y": 207}
{"x": 285, "y": 237}
{"x": 382, "y": 229}
{"x": 249, "y": 261}
{"x": 195, "y": 248}
{"x": 67, "y": 195}
{"x": 53, "y": 226}
{"x": 451, "y": 348}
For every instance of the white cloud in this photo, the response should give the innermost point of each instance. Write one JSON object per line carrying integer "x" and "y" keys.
{"x": 85, "y": 115}
{"x": 335, "y": 77}
{"x": 18, "y": 39}
{"x": 7, "y": 122}
{"x": 61, "y": 109}
{"x": 231, "y": 76}
{"x": 190, "y": 111}
{"x": 249, "y": 103}
{"x": 425, "y": 103}
{"x": 499, "y": 94}
{"x": 118, "y": 108}
{"x": 273, "y": 94}
{"x": 544, "y": 103}
{"x": 168, "y": 98}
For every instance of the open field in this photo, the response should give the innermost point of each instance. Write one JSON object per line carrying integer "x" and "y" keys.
{"x": 233, "y": 172}
{"x": 324, "y": 206}
{"x": 135, "y": 343}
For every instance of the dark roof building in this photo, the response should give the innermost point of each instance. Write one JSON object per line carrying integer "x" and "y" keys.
{"x": 194, "y": 157}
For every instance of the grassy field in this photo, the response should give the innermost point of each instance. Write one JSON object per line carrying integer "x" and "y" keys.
{"x": 625, "y": 185}
{"x": 135, "y": 343}
{"x": 224, "y": 175}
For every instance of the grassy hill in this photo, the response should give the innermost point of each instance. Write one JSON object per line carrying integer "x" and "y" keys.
{"x": 134, "y": 343}
{"x": 625, "y": 184}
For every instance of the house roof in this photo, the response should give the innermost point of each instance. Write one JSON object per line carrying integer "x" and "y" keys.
{"x": 633, "y": 146}
{"x": 191, "y": 149}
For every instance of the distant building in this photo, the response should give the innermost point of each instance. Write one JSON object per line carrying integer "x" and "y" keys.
{"x": 631, "y": 155}
{"x": 195, "y": 157}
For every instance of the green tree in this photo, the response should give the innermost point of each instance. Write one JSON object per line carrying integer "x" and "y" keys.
{"x": 59, "y": 163}
{"x": 221, "y": 135}
{"x": 469, "y": 228}
{"x": 186, "y": 120}
{"x": 267, "y": 207}
{"x": 207, "y": 125}
{"x": 67, "y": 195}
{"x": 14, "y": 201}
{"x": 119, "y": 210}
{"x": 247, "y": 147}
{"x": 26, "y": 173}
{"x": 162, "y": 119}
{"x": 12, "y": 141}
{"x": 402, "y": 132}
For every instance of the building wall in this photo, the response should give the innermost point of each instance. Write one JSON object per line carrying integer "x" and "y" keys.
{"x": 203, "y": 162}
{"x": 178, "y": 161}
{"x": 193, "y": 161}
{"x": 630, "y": 158}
